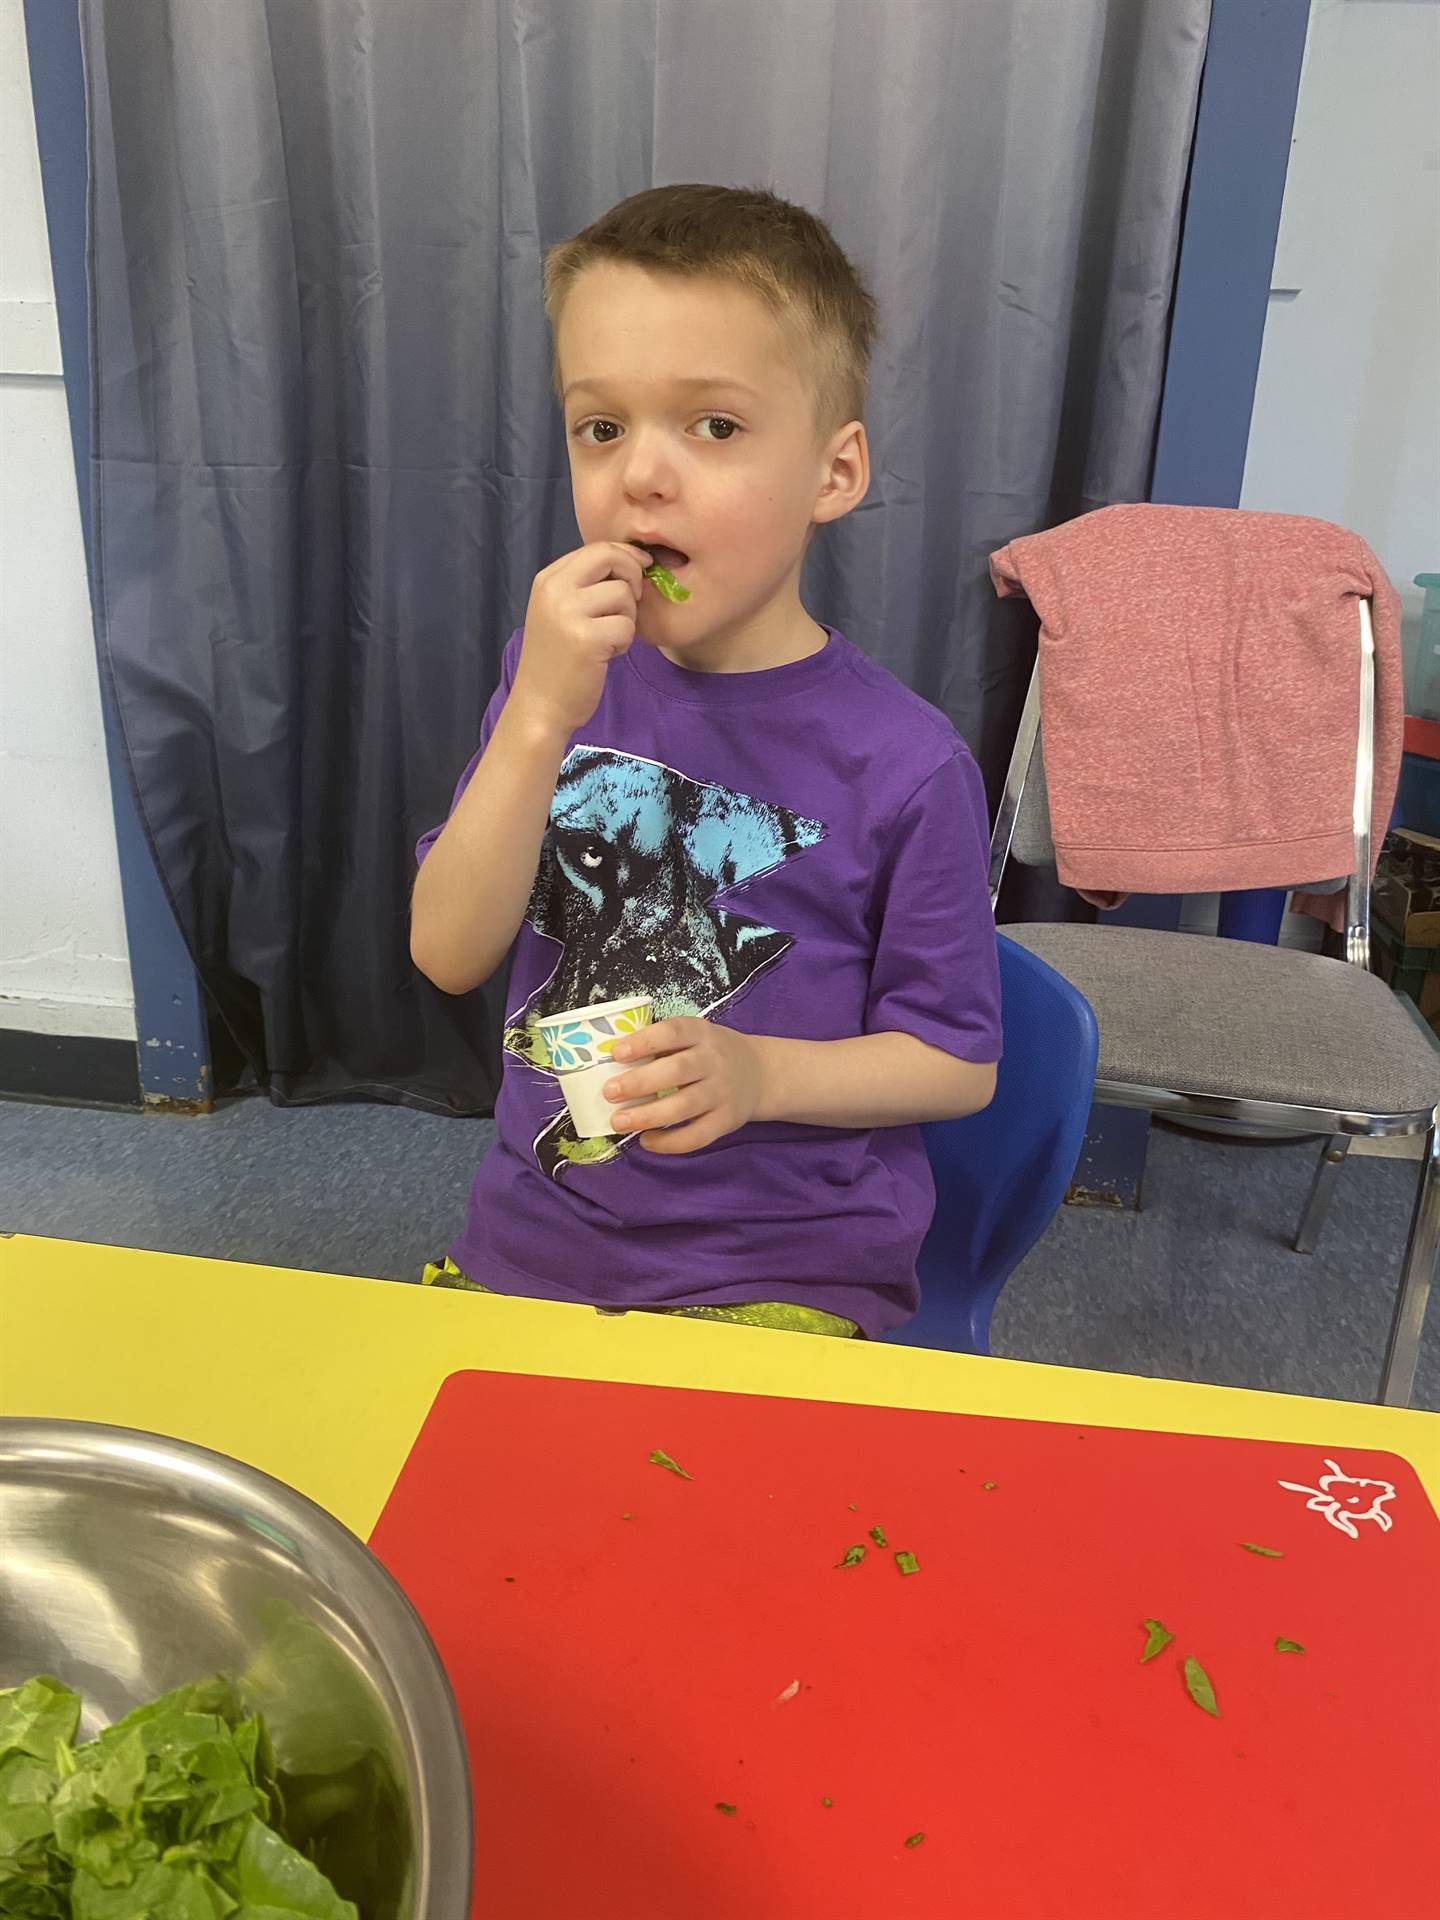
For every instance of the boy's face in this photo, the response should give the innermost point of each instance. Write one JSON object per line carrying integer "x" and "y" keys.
{"x": 689, "y": 426}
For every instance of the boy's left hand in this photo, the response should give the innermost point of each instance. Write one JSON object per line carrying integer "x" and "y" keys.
{"x": 711, "y": 1078}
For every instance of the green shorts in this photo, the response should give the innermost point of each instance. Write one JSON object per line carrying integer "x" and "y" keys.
{"x": 749, "y": 1313}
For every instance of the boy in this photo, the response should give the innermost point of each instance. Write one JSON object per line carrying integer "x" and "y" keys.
{"x": 721, "y": 803}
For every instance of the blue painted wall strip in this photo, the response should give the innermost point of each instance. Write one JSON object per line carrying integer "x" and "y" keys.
{"x": 1232, "y": 215}
{"x": 1227, "y": 246}
{"x": 174, "y": 1051}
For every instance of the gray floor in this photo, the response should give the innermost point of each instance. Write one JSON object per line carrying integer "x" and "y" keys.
{"x": 1201, "y": 1285}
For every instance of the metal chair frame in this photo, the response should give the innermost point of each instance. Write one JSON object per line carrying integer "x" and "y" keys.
{"x": 1341, "y": 1125}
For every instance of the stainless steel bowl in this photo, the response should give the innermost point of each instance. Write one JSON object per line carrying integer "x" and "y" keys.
{"x": 130, "y": 1564}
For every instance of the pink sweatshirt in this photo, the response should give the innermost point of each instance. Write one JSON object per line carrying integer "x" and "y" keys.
{"x": 1199, "y": 695}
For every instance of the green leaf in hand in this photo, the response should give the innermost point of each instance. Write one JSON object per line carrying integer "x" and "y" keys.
{"x": 665, "y": 584}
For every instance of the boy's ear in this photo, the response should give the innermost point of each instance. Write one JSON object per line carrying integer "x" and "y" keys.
{"x": 846, "y": 478}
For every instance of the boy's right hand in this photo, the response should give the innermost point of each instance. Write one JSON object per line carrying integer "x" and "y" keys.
{"x": 581, "y": 616}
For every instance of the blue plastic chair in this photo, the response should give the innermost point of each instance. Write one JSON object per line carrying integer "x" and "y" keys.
{"x": 1000, "y": 1175}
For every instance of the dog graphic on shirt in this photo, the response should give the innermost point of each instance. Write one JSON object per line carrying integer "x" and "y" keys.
{"x": 632, "y": 863}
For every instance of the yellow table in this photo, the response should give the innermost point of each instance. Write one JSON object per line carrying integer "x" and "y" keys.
{"x": 324, "y": 1381}
{"x": 1000, "y": 1723}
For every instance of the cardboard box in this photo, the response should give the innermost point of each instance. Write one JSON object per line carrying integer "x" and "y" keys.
{"x": 1406, "y": 892}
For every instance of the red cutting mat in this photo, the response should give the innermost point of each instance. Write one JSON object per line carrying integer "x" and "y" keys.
{"x": 620, "y": 1676}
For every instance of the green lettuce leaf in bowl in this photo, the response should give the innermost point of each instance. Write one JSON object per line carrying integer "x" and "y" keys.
{"x": 175, "y": 1812}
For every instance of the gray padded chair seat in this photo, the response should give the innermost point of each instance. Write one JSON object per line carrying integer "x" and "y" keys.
{"x": 1230, "y": 1018}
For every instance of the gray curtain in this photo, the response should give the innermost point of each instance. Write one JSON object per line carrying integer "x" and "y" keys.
{"x": 327, "y": 461}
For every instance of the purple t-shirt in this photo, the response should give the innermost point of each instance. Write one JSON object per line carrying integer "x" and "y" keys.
{"x": 800, "y": 851}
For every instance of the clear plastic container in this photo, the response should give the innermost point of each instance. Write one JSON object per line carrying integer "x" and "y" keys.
{"x": 1424, "y": 678}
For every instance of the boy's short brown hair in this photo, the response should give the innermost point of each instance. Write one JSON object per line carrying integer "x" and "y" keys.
{"x": 784, "y": 254}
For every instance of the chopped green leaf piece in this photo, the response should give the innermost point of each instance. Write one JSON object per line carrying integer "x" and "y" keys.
{"x": 853, "y": 1557}
{"x": 914, "y": 1839}
{"x": 624, "y": 1516}
{"x": 724, "y": 1806}
{"x": 826, "y": 1801}
{"x": 907, "y": 1563}
{"x": 990, "y": 1485}
{"x": 1270, "y": 1553}
{"x": 1200, "y": 1689}
{"x": 877, "y": 1534}
{"x": 850, "y": 1507}
{"x": 1288, "y": 1646}
{"x": 665, "y": 583}
{"x": 1158, "y": 1638}
{"x": 659, "y": 1458}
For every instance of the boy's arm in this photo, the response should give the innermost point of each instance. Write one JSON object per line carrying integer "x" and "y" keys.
{"x": 934, "y": 987}
{"x": 471, "y": 893}
{"x": 707, "y": 1080}
{"x": 473, "y": 888}
{"x": 875, "y": 1080}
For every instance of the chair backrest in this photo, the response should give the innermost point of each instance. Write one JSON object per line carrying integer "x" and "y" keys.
{"x": 1022, "y": 820}
{"x": 1000, "y": 1175}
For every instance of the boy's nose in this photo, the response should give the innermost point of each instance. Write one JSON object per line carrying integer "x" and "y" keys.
{"x": 649, "y": 467}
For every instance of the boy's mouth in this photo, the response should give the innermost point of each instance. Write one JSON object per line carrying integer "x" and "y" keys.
{"x": 671, "y": 558}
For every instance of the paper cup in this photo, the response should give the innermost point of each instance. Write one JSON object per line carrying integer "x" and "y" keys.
{"x": 586, "y": 1036}
{"x": 591, "y": 1112}
{"x": 581, "y": 1044}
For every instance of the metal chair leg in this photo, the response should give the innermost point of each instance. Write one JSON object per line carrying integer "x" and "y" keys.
{"x": 1332, "y": 1158}
{"x": 1402, "y": 1350}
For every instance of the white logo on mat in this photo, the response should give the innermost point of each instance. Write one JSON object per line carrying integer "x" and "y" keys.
{"x": 1343, "y": 1499}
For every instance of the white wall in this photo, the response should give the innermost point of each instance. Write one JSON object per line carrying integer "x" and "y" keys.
{"x": 1347, "y": 409}
{"x": 63, "y": 962}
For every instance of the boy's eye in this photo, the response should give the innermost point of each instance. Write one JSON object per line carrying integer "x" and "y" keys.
{"x": 604, "y": 433}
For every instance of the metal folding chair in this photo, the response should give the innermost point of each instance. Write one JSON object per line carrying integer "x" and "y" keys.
{"x": 1262, "y": 1036}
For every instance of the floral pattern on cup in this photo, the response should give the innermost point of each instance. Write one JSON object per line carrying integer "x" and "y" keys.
{"x": 586, "y": 1039}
